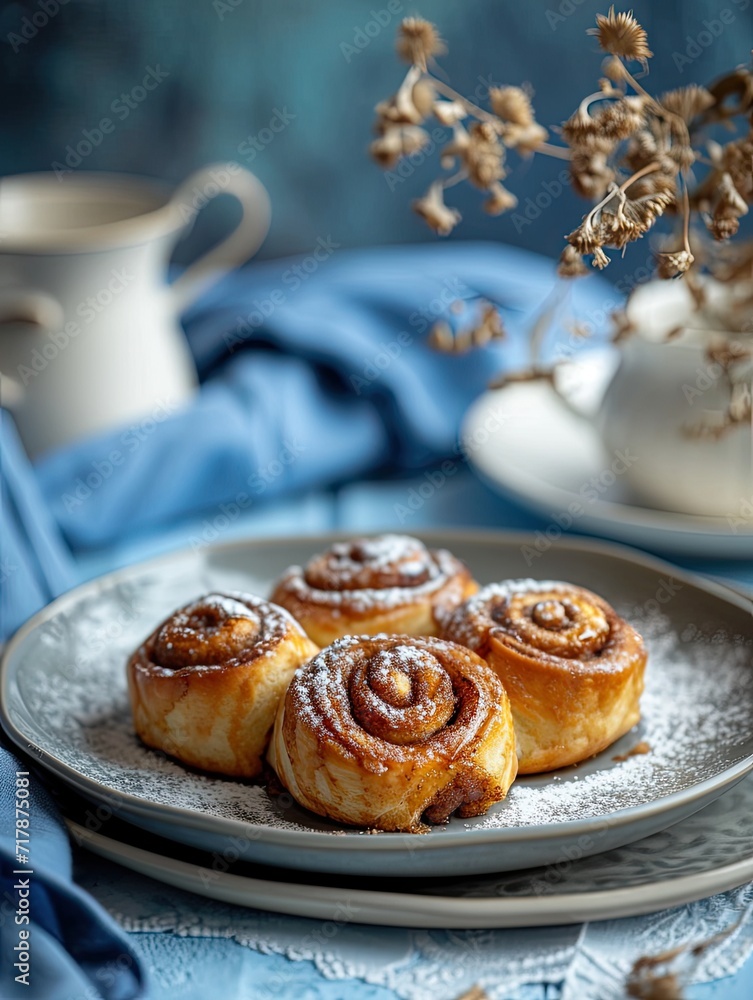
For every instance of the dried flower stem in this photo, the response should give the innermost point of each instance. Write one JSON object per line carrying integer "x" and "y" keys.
{"x": 648, "y": 169}
{"x": 561, "y": 152}
{"x": 543, "y": 322}
{"x": 657, "y": 108}
{"x": 651, "y": 141}
{"x": 447, "y": 91}
{"x": 598, "y": 95}
{"x": 654, "y": 140}
{"x": 637, "y": 86}
{"x": 616, "y": 191}
{"x": 448, "y": 182}
{"x": 685, "y": 216}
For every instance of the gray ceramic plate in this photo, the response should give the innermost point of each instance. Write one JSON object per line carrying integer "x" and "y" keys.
{"x": 64, "y": 700}
{"x": 710, "y": 852}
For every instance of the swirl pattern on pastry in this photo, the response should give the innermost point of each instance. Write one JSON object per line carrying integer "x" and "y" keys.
{"x": 382, "y": 731}
{"x": 390, "y": 583}
{"x": 206, "y": 684}
{"x": 572, "y": 667}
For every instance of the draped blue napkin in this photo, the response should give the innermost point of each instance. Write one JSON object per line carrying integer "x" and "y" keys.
{"x": 308, "y": 379}
{"x": 75, "y": 948}
{"x": 35, "y": 563}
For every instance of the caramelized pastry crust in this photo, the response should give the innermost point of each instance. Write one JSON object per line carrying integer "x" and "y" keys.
{"x": 206, "y": 684}
{"x": 391, "y": 583}
{"x": 382, "y": 731}
{"x": 572, "y": 668}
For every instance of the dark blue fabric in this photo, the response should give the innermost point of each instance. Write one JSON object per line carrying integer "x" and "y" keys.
{"x": 35, "y": 563}
{"x": 76, "y": 948}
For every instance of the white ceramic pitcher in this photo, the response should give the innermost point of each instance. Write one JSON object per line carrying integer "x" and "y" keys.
{"x": 89, "y": 329}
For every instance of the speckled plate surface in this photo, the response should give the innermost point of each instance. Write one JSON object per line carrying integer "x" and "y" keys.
{"x": 64, "y": 700}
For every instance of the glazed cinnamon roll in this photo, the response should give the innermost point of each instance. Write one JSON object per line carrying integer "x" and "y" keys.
{"x": 206, "y": 684}
{"x": 391, "y": 583}
{"x": 382, "y": 731}
{"x": 572, "y": 668}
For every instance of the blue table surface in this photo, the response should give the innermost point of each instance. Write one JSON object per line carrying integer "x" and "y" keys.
{"x": 360, "y": 507}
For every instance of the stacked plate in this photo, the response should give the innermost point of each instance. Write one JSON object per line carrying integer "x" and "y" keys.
{"x": 620, "y": 834}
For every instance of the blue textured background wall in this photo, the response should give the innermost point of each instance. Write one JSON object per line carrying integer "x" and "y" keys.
{"x": 235, "y": 66}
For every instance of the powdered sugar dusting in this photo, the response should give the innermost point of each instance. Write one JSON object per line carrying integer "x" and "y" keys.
{"x": 688, "y": 712}
{"x": 348, "y": 694}
{"x": 67, "y": 694}
{"x": 566, "y": 624}
{"x": 463, "y": 625}
{"x": 371, "y": 574}
{"x": 359, "y": 601}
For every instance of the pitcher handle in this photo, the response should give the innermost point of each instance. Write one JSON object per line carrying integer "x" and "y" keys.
{"x": 40, "y": 312}
{"x": 240, "y": 244}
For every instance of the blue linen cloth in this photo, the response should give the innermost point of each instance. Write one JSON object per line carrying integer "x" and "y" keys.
{"x": 35, "y": 563}
{"x": 76, "y": 948}
{"x": 334, "y": 381}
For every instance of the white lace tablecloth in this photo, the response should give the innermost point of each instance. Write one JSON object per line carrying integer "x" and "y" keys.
{"x": 588, "y": 962}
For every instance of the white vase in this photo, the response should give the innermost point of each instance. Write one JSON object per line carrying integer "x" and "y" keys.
{"x": 661, "y": 393}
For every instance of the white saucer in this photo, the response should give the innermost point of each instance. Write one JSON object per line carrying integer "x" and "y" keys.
{"x": 527, "y": 445}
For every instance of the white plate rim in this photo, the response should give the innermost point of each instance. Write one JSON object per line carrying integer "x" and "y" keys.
{"x": 312, "y": 839}
{"x": 398, "y": 909}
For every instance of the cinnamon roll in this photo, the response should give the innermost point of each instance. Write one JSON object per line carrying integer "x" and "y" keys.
{"x": 206, "y": 684}
{"x": 382, "y": 731}
{"x": 572, "y": 668}
{"x": 390, "y": 583}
